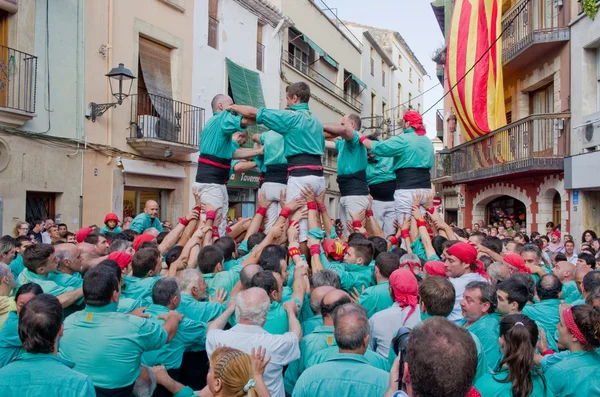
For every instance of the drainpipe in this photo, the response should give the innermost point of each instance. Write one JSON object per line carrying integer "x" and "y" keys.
{"x": 80, "y": 96}
{"x": 108, "y": 67}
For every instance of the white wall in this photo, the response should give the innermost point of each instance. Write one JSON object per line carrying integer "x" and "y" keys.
{"x": 402, "y": 76}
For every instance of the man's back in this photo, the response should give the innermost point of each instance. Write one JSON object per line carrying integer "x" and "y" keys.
{"x": 138, "y": 288}
{"x": 385, "y": 323}
{"x": 48, "y": 375}
{"x": 547, "y": 315}
{"x": 10, "y": 343}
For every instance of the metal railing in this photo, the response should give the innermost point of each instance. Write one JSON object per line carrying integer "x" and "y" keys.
{"x": 529, "y": 21}
{"x": 439, "y": 121}
{"x": 537, "y": 142}
{"x": 260, "y": 56}
{"x": 213, "y": 32}
{"x": 18, "y": 78}
{"x": 304, "y": 68}
{"x": 157, "y": 117}
{"x": 337, "y": 22}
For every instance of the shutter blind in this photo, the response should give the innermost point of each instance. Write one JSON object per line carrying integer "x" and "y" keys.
{"x": 213, "y": 8}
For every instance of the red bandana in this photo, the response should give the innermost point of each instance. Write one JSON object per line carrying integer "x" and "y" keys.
{"x": 416, "y": 121}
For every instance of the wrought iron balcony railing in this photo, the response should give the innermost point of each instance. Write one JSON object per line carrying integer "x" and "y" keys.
{"x": 536, "y": 143}
{"x": 18, "y": 77}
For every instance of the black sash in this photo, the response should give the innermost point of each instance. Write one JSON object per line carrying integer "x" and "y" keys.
{"x": 304, "y": 165}
{"x": 383, "y": 191}
{"x": 276, "y": 173}
{"x": 212, "y": 173}
{"x": 413, "y": 178}
{"x": 126, "y": 391}
{"x": 353, "y": 184}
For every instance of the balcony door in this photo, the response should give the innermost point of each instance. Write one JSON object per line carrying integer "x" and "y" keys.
{"x": 7, "y": 61}
{"x": 542, "y": 102}
{"x": 543, "y": 14}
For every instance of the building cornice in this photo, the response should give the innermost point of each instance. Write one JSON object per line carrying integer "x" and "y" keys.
{"x": 266, "y": 12}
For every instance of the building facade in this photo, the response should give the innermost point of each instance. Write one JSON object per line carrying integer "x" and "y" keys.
{"x": 41, "y": 111}
{"x": 515, "y": 171}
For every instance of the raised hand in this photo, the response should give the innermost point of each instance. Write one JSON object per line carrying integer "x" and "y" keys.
{"x": 259, "y": 362}
{"x": 220, "y": 296}
{"x": 262, "y": 199}
{"x": 308, "y": 193}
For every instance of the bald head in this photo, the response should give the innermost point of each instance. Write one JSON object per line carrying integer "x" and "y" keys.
{"x": 351, "y": 328}
{"x": 86, "y": 248}
{"x": 565, "y": 271}
{"x": 151, "y": 208}
{"x": 247, "y": 273}
{"x": 580, "y": 273}
{"x": 220, "y": 102}
{"x": 331, "y": 301}
{"x": 316, "y": 297}
{"x": 252, "y": 306}
{"x": 69, "y": 257}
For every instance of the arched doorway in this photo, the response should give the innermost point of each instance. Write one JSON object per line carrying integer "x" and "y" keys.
{"x": 496, "y": 190}
{"x": 504, "y": 208}
{"x": 556, "y": 209}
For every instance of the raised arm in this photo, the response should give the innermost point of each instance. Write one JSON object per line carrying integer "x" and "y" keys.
{"x": 171, "y": 239}
{"x": 338, "y": 130}
{"x": 68, "y": 298}
{"x": 244, "y": 166}
{"x": 388, "y": 148}
{"x": 247, "y": 153}
{"x": 246, "y": 111}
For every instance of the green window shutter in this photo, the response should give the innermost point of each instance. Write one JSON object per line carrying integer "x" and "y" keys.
{"x": 247, "y": 90}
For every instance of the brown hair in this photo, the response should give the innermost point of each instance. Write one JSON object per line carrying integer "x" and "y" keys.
{"x": 234, "y": 368}
{"x": 587, "y": 319}
{"x": 438, "y": 294}
{"x": 300, "y": 89}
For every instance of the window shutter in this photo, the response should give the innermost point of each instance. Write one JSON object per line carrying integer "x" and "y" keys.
{"x": 213, "y": 8}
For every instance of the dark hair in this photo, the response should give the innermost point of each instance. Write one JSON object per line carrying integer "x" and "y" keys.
{"x": 493, "y": 243}
{"x": 523, "y": 236}
{"x": 459, "y": 232}
{"x": 28, "y": 288}
{"x": 479, "y": 235}
{"x": 144, "y": 260}
{"x": 39, "y": 323}
{"x": 356, "y": 237}
{"x": 255, "y": 239}
{"x": 227, "y": 245}
{"x": 531, "y": 248}
{"x": 62, "y": 224}
{"x": 161, "y": 236}
{"x": 363, "y": 249}
{"x": 591, "y": 232}
{"x": 148, "y": 244}
{"x": 526, "y": 279}
{"x": 590, "y": 281}
{"x": 208, "y": 259}
{"x": 265, "y": 280}
{"x": 516, "y": 290}
{"x": 486, "y": 260}
{"x": 114, "y": 266}
{"x": 99, "y": 284}
{"x": 36, "y": 222}
{"x": 587, "y": 319}
{"x": 560, "y": 257}
{"x": 379, "y": 245}
{"x": 589, "y": 259}
{"x": 548, "y": 287}
{"x": 387, "y": 262}
{"x": 127, "y": 235}
{"x": 300, "y": 89}
{"x": 535, "y": 235}
{"x": 36, "y": 256}
{"x": 20, "y": 240}
{"x": 271, "y": 256}
{"x": 550, "y": 224}
{"x": 431, "y": 346}
{"x": 355, "y": 118}
{"x": 544, "y": 237}
{"x": 93, "y": 238}
{"x": 350, "y": 334}
{"x": 325, "y": 277}
{"x": 520, "y": 335}
{"x": 164, "y": 290}
{"x": 488, "y": 293}
{"x": 328, "y": 309}
{"x": 68, "y": 234}
{"x": 173, "y": 254}
{"x": 438, "y": 244}
{"x": 438, "y": 295}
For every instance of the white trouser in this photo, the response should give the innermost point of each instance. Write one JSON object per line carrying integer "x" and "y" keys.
{"x": 294, "y": 188}
{"x": 385, "y": 214}
{"x": 214, "y": 194}
{"x": 351, "y": 205}
{"x": 403, "y": 202}
{"x": 272, "y": 192}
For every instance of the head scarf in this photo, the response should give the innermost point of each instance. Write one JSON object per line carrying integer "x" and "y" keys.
{"x": 142, "y": 238}
{"x": 572, "y": 326}
{"x": 416, "y": 121}
{"x": 335, "y": 249}
{"x": 123, "y": 259}
{"x": 436, "y": 268}
{"x": 556, "y": 233}
{"x": 82, "y": 234}
{"x": 468, "y": 254}
{"x": 517, "y": 261}
{"x": 406, "y": 289}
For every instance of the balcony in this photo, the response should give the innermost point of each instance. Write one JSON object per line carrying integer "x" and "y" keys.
{"x": 18, "y": 76}
{"x": 535, "y": 144}
{"x": 534, "y": 32}
{"x": 305, "y": 69}
{"x": 162, "y": 127}
{"x": 439, "y": 123}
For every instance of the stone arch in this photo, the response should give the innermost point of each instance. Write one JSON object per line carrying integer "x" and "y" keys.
{"x": 552, "y": 184}
{"x": 491, "y": 192}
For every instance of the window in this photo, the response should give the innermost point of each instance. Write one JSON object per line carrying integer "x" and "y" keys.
{"x": 410, "y": 74}
{"x": 419, "y": 107}
{"x": 134, "y": 200}
{"x": 39, "y": 205}
{"x": 373, "y": 105}
{"x": 372, "y": 62}
{"x": 508, "y": 117}
{"x": 409, "y": 100}
{"x": 399, "y": 104}
{"x": 383, "y": 74}
{"x": 260, "y": 48}
{"x": 352, "y": 89}
{"x": 384, "y": 112}
{"x": 400, "y": 62}
{"x": 298, "y": 51}
{"x": 419, "y": 85}
{"x": 213, "y": 23}
{"x": 598, "y": 79}
{"x": 542, "y": 100}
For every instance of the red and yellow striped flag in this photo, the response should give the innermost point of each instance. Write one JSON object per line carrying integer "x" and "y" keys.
{"x": 479, "y": 98}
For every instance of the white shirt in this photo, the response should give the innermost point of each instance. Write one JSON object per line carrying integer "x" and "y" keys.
{"x": 459, "y": 284}
{"x": 572, "y": 259}
{"x": 46, "y": 238}
{"x": 283, "y": 349}
{"x": 385, "y": 324}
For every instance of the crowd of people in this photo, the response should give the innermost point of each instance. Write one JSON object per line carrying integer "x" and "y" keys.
{"x": 389, "y": 300}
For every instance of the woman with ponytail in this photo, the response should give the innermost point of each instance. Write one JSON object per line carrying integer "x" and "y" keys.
{"x": 576, "y": 373}
{"x": 234, "y": 373}
{"x": 518, "y": 376}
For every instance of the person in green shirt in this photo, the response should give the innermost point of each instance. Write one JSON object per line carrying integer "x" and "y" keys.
{"x": 517, "y": 374}
{"x": 545, "y": 312}
{"x": 377, "y": 298}
{"x": 565, "y": 271}
{"x": 69, "y": 266}
{"x": 576, "y": 373}
{"x": 105, "y": 344}
{"x": 277, "y": 318}
{"x": 39, "y": 371}
{"x": 146, "y": 266}
{"x": 478, "y": 307}
{"x": 7, "y": 285}
{"x": 210, "y": 264}
{"x": 193, "y": 303}
{"x": 314, "y": 303}
{"x": 10, "y": 343}
{"x": 16, "y": 265}
{"x": 304, "y": 142}
{"x": 349, "y": 370}
{"x": 111, "y": 222}
{"x": 587, "y": 281}
{"x": 355, "y": 272}
{"x": 382, "y": 185}
{"x": 40, "y": 261}
{"x": 147, "y": 219}
{"x": 351, "y": 166}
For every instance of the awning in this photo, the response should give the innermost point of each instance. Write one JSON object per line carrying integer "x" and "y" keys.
{"x": 246, "y": 90}
{"x": 164, "y": 170}
{"x": 358, "y": 81}
{"x": 321, "y": 52}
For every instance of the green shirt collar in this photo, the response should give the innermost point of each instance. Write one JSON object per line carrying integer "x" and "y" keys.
{"x": 299, "y": 106}
{"x": 349, "y": 357}
{"x": 44, "y": 357}
{"x": 409, "y": 130}
{"x": 111, "y": 307}
{"x": 325, "y": 329}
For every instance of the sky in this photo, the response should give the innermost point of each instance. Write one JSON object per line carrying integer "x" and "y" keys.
{"x": 415, "y": 22}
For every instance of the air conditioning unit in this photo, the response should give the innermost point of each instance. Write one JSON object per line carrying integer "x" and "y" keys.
{"x": 590, "y": 136}
{"x": 147, "y": 126}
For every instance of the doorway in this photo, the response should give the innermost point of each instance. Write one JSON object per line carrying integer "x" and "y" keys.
{"x": 556, "y": 210}
{"x": 134, "y": 200}
{"x": 506, "y": 208}
{"x": 39, "y": 205}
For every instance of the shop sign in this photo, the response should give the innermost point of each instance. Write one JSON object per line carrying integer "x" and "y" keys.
{"x": 247, "y": 179}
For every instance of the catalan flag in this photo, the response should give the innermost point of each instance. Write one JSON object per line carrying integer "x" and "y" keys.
{"x": 479, "y": 98}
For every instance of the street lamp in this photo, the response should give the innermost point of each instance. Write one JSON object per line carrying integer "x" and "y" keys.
{"x": 118, "y": 78}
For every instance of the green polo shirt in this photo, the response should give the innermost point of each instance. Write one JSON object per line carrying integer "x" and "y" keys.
{"x": 546, "y": 314}
{"x": 570, "y": 293}
{"x": 487, "y": 330}
{"x": 348, "y": 374}
{"x": 309, "y": 325}
{"x": 215, "y": 139}
{"x": 222, "y": 280}
{"x": 301, "y": 129}
{"x": 203, "y": 312}
{"x": 139, "y": 288}
{"x": 497, "y": 386}
{"x": 10, "y": 343}
{"x": 575, "y": 375}
{"x": 108, "y": 346}
{"x": 66, "y": 280}
{"x": 191, "y": 336}
{"x": 376, "y": 298}
{"x": 48, "y": 285}
{"x": 274, "y": 145}
{"x": 12, "y": 306}
{"x": 408, "y": 150}
{"x": 44, "y": 375}
{"x": 277, "y": 319}
{"x": 351, "y": 275}
{"x": 352, "y": 155}
{"x": 381, "y": 171}
{"x": 144, "y": 221}
{"x": 17, "y": 266}
{"x": 374, "y": 359}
